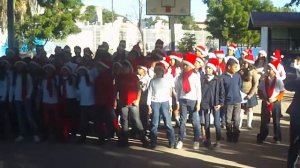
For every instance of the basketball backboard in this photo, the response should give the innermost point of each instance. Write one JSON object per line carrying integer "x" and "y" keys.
{"x": 168, "y": 7}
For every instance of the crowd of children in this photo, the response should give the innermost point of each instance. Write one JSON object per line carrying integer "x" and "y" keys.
{"x": 58, "y": 97}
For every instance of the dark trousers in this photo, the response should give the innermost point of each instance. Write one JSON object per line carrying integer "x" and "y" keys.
{"x": 52, "y": 120}
{"x": 217, "y": 123}
{"x": 233, "y": 115}
{"x": 70, "y": 114}
{"x": 5, "y": 124}
{"x": 265, "y": 120}
{"x": 87, "y": 113}
{"x": 108, "y": 122}
{"x": 294, "y": 148}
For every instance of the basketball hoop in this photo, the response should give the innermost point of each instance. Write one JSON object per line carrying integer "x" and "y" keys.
{"x": 168, "y": 5}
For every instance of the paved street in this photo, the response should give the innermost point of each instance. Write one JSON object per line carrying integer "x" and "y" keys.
{"x": 246, "y": 153}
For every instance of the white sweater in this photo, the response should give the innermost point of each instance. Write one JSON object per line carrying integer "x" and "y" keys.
{"x": 159, "y": 90}
{"x": 17, "y": 89}
{"x": 195, "y": 84}
{"x": 46, "y": 97}
{"x": 86, "y": 93}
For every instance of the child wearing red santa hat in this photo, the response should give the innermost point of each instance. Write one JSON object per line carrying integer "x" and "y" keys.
{"x": 188, "y": 89}
{"x": 278, "y": 57}
{"x": 271, "y": 91}
{"x": 212, "y": 100}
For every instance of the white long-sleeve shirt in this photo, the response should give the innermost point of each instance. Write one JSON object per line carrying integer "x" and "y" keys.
{"x": 17, "y": 89}
{"x": 281, "y": 72}
{"x": 195, "y": 84}
{"x": 160, "y": 90}
{"x": 86, "y": 93}
{"x": 46, "y": 98}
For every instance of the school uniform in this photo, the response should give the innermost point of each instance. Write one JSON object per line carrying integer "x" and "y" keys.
{"x": 270, "y": 89}
{"x": 51, "y": 116}
{"x": 4, "y": 108}
{"x": 212, "y": 95}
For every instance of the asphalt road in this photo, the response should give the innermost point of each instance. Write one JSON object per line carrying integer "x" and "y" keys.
{"x": 245, "y": 153}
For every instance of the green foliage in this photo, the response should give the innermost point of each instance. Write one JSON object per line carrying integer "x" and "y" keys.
{"x": 109, "y": 16}
{"x": 151, "y": 22}
{"x": 188, "y": 22}
{"x": 228, "y": 19}
{"x": 90, "y": 14}
{"x": 57, "y": 22}
{"x": 187, "y": 43}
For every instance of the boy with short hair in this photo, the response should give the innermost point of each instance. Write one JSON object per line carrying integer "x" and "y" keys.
{"x": 232, "y": 85}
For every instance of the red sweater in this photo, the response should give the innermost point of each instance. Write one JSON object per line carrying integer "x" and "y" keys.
{"x": 127, "y": 85}
{"x": 105, "y": 91}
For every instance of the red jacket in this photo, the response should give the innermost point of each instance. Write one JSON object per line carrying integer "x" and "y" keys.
{"x": 128, "y": 88}
{"x": 105, "y": 90}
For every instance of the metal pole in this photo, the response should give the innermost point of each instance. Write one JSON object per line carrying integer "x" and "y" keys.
{"x": 10, "y": 23}
{"x": 172, "y": 28}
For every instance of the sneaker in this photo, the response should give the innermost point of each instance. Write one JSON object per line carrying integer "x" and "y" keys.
{"x": 179, "y": 145}
{"x": 196, "y": 145}
{"x": 36, "y": 138}
{"x": 19, "y": 139}
{"x": 249, "y": 127}
{"x": 216, "y": 145}
{"x": 277, "y": 142}
{"x": 172, "y": 146}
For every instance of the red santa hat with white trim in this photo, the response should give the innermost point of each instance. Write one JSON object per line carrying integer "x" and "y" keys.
{"x": 213, "y": 63}
{"x": 249, "y": 58}
{"x": 232, "y": 46}
{"x": 274, "y": 65}
{"x": 166, "y": 61}
{"x": 263, "y": 53}
{"x": 220, "y": 53}
{"x": 190, "y": 59}
{"x": 277, "y": 55}
{"x": 202, "y": 50}
{"x": 200, "y": 60}
{"x": 177, "y": 56}
{"x": 49, "y": 65}
{"x": 82, "y": 68}
{"x": 103, "y": 64}
{"x": 20, "y": 63}
{"x": 247, "y": 51}
{"x": 143, "y": 64}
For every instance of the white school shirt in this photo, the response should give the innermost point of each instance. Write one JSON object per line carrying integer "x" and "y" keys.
{"x": 45, "y": 93}
{"x": 86, "y": 93}
{"x": 279, "y": 87}
{"x": 159, "y": 90}
{"x": 281, "y": 72}
{"x": 195, "y": 84}
{"x": 70, "y": 89}
{"x": 17, "y": 89}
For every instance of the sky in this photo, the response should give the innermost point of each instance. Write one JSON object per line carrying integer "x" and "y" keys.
{"x": 129, "y": 8}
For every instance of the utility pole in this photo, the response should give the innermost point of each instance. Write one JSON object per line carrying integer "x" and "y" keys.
{"x": 10, "y": 23}
{"x": 172, "y": 28}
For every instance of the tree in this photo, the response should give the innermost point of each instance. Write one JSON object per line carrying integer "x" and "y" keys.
{"x": 228, "y": 19}
{"x": 108, "y": 16}
{"x": 187, "y": 43}
{"x": 188, "y": 22}
{"x": 151, "y": 22}
{"x": 56, "y": 22}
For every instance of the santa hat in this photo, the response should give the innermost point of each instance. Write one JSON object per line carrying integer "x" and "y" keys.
{"x": 82, "y": 68}
{"x": 36, "y": 62}
{"x": 5, "y": 60}
{"x": 67, "y": 68}
{"x": 190, "y": 59}
{"x": 201, "y": 49}
{"x": 277, "y": 55}
{"x": 263, "y": 53}
{"x": 250, "y": 59}
{"x": 213, "y": 63}
{"x": 159, "y": 43}
{"x": 158, "y": 53}
{"x": 211, "y": 55}
{"x": 129, "y": 64}
{"x": 220, "y": 53}
{"x": 200, "y": 60}
{"x": 247, "y": 51}
{"x": 103, "y": 64}
{"x": 20, "y": 63}
{"x": 232, "y": 46}
{"x": 274, "y": 65}
{"x": 51, "y": 66}
{"x": 117, "y": 64}
{"x": 166, "y": 61}
{"x": 177, "y": 56}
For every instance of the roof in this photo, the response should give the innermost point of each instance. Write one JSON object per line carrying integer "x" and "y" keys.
{"x": 274, "y": 20}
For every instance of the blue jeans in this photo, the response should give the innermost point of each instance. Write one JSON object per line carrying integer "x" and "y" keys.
{"x": 161, "y": 108}
{"x": 24, "y": 115}
{"x": 217, "y": 123}
{"x": 188, "y": 106}
{"x": 134, "y": 114}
